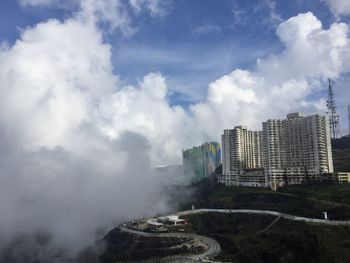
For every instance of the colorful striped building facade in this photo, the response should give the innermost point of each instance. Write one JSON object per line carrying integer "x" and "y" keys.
{"x": 201, "y": 161}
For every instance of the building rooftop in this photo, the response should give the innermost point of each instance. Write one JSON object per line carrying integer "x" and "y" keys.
{"x": 241, "y": 127}
{"x": 295, "y": 115}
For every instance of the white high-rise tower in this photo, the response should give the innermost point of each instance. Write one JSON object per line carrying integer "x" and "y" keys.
{"x": 290, "y": 151}
{"x": 241, "y": 150}
{"x": 297, "y": 149}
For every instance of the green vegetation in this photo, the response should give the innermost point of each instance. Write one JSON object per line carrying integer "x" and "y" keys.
{"x": 302, "y": 200}
{"x": 341, "y": 160}
{"x": 341, "y": 143}
{"x": 341, "y": 154}
{"x": 335, "y": 193}
{"x": 252, "y": 238}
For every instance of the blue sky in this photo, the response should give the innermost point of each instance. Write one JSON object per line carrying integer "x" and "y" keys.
{"x": 191, "y": 58}
{"x": 194, "y": 43}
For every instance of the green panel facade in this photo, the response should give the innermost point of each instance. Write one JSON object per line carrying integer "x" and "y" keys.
{"x": 199, "y": 162}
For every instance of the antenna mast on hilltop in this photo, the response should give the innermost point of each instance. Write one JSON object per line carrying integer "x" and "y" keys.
{"x": 332, "y": 112}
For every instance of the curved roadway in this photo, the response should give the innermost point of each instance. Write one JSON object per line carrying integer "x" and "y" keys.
{"x": 266, "y": 212}
{"x": 213, "y": 246}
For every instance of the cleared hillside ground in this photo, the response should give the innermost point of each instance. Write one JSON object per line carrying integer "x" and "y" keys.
{"x": 337, "y": 193}
{"x": 252, "y": 238}
{"x": 341, "y": 160}
{"x": 300, "y": 200}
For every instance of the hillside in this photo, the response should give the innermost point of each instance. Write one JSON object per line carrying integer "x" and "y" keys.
{"x": 248, "y": 238}
{"x": 121, "y": 246}
{"x": 302, "y": 200}
{"x": 252, "y": 238}
{"x": 342, "y": 143}
{"x": 341, "y": 160}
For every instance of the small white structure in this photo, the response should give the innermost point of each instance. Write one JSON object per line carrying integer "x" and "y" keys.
{"x": 325, "y": 215}
{"x": 172, "y": 220}
{"x": 343, "y": 177}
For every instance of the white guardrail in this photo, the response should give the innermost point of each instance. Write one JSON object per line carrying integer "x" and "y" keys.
{"x": 266, "y": 212}
{"x": 214, "y": 248}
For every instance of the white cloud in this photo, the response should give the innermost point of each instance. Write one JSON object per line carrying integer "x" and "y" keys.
{"x": 111, "y": 12}
{"x": 311, "y": 51}
{"x": 48, "y": 72}
{"x": 339, "y": 7}
{"x": 274, "y": 18}
{"x": 58, "y": 172}
{"x": 58, "y": 3}
{"x": 71, "y": 195}
{"x": 145, "y": 110}
{"x": 245, "y": 14}
{"x": 207, "y": 29}
{"x": 154, "y": 7}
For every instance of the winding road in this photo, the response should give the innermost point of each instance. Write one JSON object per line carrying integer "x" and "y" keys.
{"x": 213, "y": 247}
{"x": 266, "y": 212}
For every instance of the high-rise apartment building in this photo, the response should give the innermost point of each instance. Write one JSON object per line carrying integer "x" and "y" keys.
{"x": 242, "y": 151}
{"x": 296, "y": 149}
{"x": 201, "y": 161}
{"x": 288, "y": 151}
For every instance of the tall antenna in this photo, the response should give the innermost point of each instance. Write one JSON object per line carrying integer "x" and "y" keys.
{"x": 332, "y": 112}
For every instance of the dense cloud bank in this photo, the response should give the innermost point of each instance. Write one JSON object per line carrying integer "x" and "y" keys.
{"x": 63, "y": 180}
{"x": 77, "y": 145}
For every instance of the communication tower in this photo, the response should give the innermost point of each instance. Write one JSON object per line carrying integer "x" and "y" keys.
{"x": 332, "y": 112}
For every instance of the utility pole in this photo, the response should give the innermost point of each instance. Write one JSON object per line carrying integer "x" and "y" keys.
{"x": 332, "y": 112}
